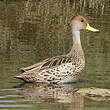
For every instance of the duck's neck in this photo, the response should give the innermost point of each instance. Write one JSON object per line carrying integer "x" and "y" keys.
{"x": 76, "y": 43}
{"x": 76, "y": 37}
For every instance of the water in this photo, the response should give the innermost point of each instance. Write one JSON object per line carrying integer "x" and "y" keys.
{"x": 31, "y": 31}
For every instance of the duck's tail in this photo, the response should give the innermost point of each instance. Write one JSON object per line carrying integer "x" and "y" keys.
{"x": 19, "y": 77}
{"x": 27, "y": 77}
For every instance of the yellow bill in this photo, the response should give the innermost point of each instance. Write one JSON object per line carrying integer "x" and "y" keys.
{"x": 88, "y": 27}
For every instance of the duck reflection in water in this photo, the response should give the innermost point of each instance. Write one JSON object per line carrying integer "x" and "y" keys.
{"x": 61, "y": 95}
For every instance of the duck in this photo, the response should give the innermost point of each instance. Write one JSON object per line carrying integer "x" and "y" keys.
{"x": 61, "y": 69}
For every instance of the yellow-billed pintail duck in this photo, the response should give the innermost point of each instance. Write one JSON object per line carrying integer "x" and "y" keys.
{"x": 61, "y": 69}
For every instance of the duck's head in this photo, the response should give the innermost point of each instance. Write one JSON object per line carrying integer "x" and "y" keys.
{"x": 79, "y": 22}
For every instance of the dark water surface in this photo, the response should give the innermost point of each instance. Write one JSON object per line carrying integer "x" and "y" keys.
{"x": 32, "y": 30}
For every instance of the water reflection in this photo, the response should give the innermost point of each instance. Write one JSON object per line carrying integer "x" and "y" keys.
{"x": 10, "y": 99}
{"x": 60, "y": 94}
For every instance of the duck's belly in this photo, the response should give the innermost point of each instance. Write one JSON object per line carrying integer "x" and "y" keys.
{"x": 70, "y": 79}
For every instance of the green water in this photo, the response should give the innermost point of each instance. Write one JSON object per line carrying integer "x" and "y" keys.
{"x": 32, "y": 30}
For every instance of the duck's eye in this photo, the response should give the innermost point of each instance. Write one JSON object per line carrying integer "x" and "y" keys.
{"x": 82, "y": 20}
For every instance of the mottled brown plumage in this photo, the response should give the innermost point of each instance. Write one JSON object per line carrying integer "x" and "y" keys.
{"x": 61, "y": 69}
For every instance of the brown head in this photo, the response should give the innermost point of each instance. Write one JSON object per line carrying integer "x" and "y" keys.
{"x": 79, "y": 22}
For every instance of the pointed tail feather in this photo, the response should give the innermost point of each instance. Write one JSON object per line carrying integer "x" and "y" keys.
{"x": 19, "y": 77}
{"x": 25, "y": 77}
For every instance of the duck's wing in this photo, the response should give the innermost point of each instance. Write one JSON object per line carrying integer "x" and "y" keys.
{"x": 55, "y": 61}
{"x": 48, "y": 63}
{"x": 37, "y": 65}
